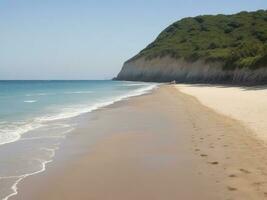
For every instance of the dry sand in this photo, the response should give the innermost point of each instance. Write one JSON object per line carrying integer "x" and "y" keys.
{"x": 246, "y": 104}
{"x": 159, "y": 146}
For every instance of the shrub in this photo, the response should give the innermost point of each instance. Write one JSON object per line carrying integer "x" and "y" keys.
{"x": 213, "y": 46}
{"x": 236, "y": 40}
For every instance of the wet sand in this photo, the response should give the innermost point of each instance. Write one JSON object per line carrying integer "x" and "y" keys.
{"x": 163, "y": 145}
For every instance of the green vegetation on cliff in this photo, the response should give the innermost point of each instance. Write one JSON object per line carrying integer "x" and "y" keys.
{"x": 238, "y": 40}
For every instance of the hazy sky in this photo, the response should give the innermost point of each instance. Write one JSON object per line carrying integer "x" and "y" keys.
{"x": 79, "y": 39}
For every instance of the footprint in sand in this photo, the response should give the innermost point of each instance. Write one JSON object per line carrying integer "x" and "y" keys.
{"x": 203, "y": 155}
{"x": 232, "y": 175}
{"x": 214, "y": 163}
{"x": 231, "y": 188}
{"x": 245, "y": 171}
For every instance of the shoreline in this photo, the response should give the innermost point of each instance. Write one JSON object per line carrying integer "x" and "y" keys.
{"x": 20, "y": 177}
{"x": 40, "y": 121}
{"x": 168, "y": 140}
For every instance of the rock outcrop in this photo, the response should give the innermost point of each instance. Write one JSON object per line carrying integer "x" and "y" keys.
{"x": 167, "y": 69}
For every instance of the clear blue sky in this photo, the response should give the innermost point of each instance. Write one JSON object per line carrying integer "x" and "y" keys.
{"x": 79, "y": 39}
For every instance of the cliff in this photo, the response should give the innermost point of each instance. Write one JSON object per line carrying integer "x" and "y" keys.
{"x": 220, "y": 48}
{"x": 168, "y": 69}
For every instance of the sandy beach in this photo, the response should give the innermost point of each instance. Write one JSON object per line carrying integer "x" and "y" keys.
{"x": 162, "y": 145}
{"x": 245, "y": 104}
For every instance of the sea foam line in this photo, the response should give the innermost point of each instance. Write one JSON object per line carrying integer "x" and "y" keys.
{"x": 137, "y": 92}
{"x": 39, "y": 94}
{"x": 86, "y": 109}
{"x": 15, "y": 134}
{"x": 30, "y": 101}
{"x": 20, "y": 178}
{"x": 14, "y": 187}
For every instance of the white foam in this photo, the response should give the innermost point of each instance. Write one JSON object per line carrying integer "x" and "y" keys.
{"x": 19, "y": 178}
{"x": 39, "y": 94}
{"x": 73, "y": 112}
{"x": 12, "y": 132}
{"x": 30, "y": 101}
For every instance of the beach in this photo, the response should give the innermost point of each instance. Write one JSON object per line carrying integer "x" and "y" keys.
{"x": 162, "y": 145}
{"x": 245, "y": 104}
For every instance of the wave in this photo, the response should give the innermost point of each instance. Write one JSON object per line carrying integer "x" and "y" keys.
{"x": 39, "y": 94}
{"x": 69, "y": 92}
{"x": 30, "y": 101}
{"x": 11, "y": 132}
{"x": 73, "y": 112}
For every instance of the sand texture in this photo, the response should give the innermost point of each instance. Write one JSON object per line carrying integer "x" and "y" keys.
{"x": 246, "y": 104}
{"x": 159, "y": 146}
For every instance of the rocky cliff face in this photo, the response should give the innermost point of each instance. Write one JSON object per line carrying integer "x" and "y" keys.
{"x": 167, "y": 69}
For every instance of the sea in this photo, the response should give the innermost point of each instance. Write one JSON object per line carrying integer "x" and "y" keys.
{"x": 35, "y": 119}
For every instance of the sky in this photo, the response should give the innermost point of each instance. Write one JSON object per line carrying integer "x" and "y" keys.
{"x": 86, "y": 39}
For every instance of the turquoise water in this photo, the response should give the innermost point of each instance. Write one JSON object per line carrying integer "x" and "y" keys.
{"x": 25, "y": 105}
{"x": 35, "y": 117}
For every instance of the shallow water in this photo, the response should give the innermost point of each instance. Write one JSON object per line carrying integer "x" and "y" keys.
{"x": 33, "y": 120}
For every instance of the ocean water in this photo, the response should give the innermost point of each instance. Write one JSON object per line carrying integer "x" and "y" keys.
{"x": 35, "y": 118}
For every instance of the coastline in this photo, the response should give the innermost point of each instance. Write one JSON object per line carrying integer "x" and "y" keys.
{"x": 158, "y": 145}
{"x": 46, "y": 139}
